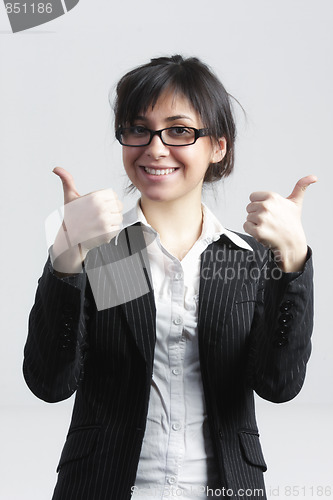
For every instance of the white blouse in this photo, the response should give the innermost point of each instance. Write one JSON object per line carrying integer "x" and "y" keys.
{"x": 177, "y": 458}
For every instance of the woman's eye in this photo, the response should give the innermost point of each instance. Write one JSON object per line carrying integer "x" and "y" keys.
{"x": 138, "y": 130}
{"x": 180, "y": 131}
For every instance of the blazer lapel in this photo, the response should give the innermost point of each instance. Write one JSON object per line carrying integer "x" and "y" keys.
{"x": 141, "y": 312}
{"x": 119, "y": 275}
{"x": 221, "y": 279}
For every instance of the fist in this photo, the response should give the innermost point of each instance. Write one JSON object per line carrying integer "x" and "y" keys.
{"x": 89, "y": 221}
{"x": 276, "y": 222}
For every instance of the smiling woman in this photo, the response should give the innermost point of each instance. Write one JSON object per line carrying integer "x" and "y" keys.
{"x": 140, "y": 89}
{"x": 162, "y": 321}
{"x": 187, "y": 164}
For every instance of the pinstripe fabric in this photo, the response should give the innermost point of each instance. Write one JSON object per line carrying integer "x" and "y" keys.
{"x": 107, "y": 357}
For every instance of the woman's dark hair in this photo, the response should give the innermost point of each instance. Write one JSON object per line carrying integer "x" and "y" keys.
{"x": 140, "y": 88}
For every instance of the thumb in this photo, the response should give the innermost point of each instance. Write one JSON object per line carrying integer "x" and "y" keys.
{"x": 298, "y": 192}
{"x": 70, "y": 192}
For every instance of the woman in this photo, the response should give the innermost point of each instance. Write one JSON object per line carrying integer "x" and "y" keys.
{"x": 165, "y": 326}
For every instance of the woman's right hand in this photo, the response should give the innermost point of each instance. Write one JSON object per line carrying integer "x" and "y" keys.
{"x": 89, "y": 221}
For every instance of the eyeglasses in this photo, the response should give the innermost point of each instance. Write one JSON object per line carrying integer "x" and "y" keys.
{"x": 138, "y": 136}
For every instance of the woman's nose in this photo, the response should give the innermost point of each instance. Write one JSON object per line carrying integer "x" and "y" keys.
{"x": 156, "y": 148}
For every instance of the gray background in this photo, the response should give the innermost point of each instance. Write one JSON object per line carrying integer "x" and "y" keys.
{"x": 276, "y": 58}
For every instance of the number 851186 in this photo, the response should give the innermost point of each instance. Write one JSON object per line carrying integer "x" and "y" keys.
{"x": 24, "y": 8}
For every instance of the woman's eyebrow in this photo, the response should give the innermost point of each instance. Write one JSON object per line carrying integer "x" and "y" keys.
{"x": 168, "y": 119}
{"x": 178, "y": 117}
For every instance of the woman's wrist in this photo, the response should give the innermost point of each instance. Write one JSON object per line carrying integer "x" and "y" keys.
{"x": 69, "y": 262}
{"x": 291, "y": 260}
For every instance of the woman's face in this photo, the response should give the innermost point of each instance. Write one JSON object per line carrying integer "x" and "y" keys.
{"x": 185, "y": 165}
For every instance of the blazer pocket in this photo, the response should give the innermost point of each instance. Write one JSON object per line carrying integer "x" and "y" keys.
{"x": 251, "y": 448}
{"x": 247, "y": 293}
{"x": 79, "y": 444}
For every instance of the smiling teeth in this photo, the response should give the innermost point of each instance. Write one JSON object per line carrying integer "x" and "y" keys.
{"x": 160, "y": 171}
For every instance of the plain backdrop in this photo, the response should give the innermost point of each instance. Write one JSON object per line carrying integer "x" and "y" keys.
{"x": 275, "y": 57}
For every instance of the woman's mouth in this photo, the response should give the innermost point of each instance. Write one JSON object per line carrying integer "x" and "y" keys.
{"x": 159, "y": 171}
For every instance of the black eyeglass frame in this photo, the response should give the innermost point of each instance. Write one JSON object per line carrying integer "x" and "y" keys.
{"x": 202, "y": 132}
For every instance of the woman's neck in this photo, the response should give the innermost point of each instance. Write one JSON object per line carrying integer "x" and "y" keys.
{"x": 178, "y": 223}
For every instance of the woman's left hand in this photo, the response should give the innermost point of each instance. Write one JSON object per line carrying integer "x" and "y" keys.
{"x": 276, "y": 222}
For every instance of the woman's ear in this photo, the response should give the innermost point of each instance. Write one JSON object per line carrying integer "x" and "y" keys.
{"x": 219, "y": 150}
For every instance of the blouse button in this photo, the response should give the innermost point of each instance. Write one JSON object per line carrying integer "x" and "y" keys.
{"x": 178, "y": 276}
{"x": 176, "y": 426}
{"x": 176, "y": 371}
{"x": 178, "y": 320}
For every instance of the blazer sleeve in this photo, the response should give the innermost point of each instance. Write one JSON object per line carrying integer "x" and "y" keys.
{"x": 56, "y": 345}
{"x": 280, "y": 340}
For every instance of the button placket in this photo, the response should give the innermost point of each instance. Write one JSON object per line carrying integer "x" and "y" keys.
{"x": 176, "y": 357}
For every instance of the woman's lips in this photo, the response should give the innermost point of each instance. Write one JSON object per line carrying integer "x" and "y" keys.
{"x": 159, "y": 171}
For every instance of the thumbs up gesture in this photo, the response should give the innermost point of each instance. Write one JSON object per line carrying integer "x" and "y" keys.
{"x": 276, "y": 222}
{"x": 89, "y": 221}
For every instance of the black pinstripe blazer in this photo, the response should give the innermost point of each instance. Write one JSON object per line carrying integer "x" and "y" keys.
{"x": 254, "y": 330}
